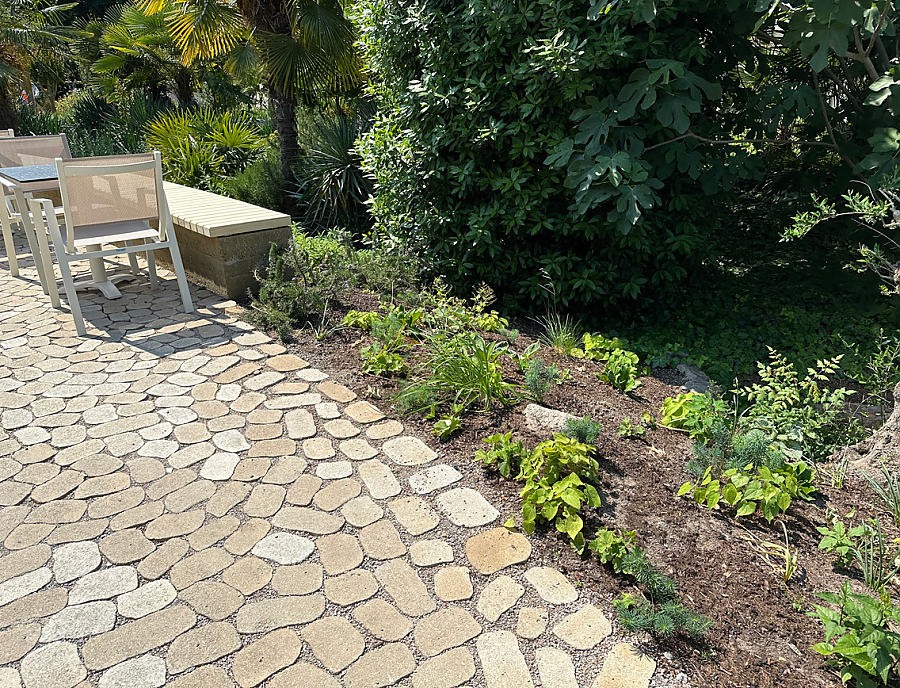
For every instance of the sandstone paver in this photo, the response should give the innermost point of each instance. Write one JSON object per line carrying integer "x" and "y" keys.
{"x": 256, "y": 662}
{"x": 625, "y": 667}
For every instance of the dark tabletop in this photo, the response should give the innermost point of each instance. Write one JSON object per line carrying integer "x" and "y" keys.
{"x": 30, "y": 173}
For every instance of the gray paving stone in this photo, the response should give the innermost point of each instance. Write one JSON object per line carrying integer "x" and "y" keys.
{"x": 384, "y": 666}
{"x": 56, "y": 665}
{"x": 466, "y": 507}
{"x": 625, "y": 667}
{"x": 498, "y": 596}
{"x": 284, "y": 548}
{"x": 551, "y": 585}
{"x": 408, "y": 451}
{"x": 146, "y": 671}
{"x": 27, "y": 583}
{"x": 584, "y": 629}
{"x": 555, "y": 668}
{"x": 434, "y": 478}
{"x": 149, "y": 598}
{"x": 79, "y": 621}
{"x": 502, "y": 661}
{"x": 430, "y": 552}
{"x": 101, "y": 585}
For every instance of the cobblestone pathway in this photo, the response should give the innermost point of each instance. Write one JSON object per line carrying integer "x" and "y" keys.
{"x": 183, "y": 502}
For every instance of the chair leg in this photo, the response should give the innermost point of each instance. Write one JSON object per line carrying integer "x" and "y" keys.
{"x": 132, "y": 258}
{"x": 49, "y": 273}
{"x": 151, "y": 268}
{"x": 28, "y": 228}
{"x": 72, "y": 295}
{"x": 182, "y": 279}
{"x": 8, "y": 240}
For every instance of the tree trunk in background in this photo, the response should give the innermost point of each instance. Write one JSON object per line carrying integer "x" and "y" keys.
{"x": 285, "y": 109}
{"x": 884, "y": 445}
{"x": 9, "y": 118}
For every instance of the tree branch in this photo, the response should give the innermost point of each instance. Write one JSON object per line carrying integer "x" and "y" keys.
{"x": 843, "y": 88}
{"x": 888, "y": 5}
{"x": 846, "y": 158}
{"x": 731, "y": 142}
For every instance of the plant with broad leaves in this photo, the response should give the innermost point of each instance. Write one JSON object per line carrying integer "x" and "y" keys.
{"x": 504, "y": 454}
{"x": 692, "y": 413}
{"x": 525, "y": 357}
{"x": 861, "y": 639}
{"x": 446, "y": 427}
{"x": 611, "y": 547}
{"x": 622, "y": 371}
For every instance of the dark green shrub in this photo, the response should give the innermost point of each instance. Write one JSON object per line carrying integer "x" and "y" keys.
{"x": 539, "y": 377}
{"x": 585, "y": 430}
{"x": 730, "y": 447}
{"x": 260, "y": 183}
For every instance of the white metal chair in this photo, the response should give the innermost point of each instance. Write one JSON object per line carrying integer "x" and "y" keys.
{"x": 19, "y": 151}
{"x": 108, "y": 200}
{"x": 7, "y": 133}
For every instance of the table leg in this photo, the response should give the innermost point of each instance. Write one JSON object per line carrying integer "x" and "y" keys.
{"x": 100, "y": 280}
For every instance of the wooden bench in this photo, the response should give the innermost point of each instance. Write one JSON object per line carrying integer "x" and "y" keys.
{"x": 222, "y": 240}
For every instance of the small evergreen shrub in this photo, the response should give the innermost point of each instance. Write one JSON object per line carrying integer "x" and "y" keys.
{"x": 539, "y": 377}
{"x": 585, "y": 430}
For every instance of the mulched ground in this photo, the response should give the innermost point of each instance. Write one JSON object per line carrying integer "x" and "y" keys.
{"x": 762, "y": 635}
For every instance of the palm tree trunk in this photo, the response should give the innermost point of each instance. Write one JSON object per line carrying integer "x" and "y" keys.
{"x": 9, "y": 118}
{"x": 285, "y": 110}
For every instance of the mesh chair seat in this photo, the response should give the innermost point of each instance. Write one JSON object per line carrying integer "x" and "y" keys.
{"x": 113, "y": 232}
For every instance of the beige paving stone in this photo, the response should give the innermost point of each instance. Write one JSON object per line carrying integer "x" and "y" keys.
{"x": 199, "y": 566}
{"x": 273, "y": 448}
{"x": 170, "y": 482}
{"x": 384, "y": 666}
{"x": 24, "y": 561}
{"x": 284, "y": 548}
{"x": 116, "y": 503}
{"x": 292, "y": 388}
{"x": 414, "y": 515}
{"x": 302, "y": 490}
{"x": 327, "y": 410}
{"x": 191, "y": 454}
{"x": 145, "y": 469}
{"x": 434, "y": 478}
{"x": 201, "y": 646}
{"x": 148, "y": 598}
{"x": 362, "y": 411}
{"x": 247, "y": 575}
{"x": 249, "y": 470}
{"x": 452, "y": 583}
{"x": 584, "y": 629}
{"x": 405, "y": 588}
{"x": 337, "y": 392}
{"x": 334, "y": 642}
{"x": 381, "y": 540}
{"x": 137, "y": 637}
{"x": 191, "y": 433}
{"x": 293, "y": 400}
{"x": 361, "y": 511}
{"x": 551, "y": 585}
{"x": 56, "y": 665}
{"x": 337, "y": 493}
{"x": 208, "y": 676}
{"x": 496, "y": 549}
{"x": 213, "y": 531}
{"x": 33, "y": 606}
{"x": 381, "y": 619}
{"x": 285, "y": 470}
{"x": 79, "y": 621}
{"x": 379, "y": 480}
{"x": 175, "y": 525}
{"x": 339, "y": 553}
{"x": 446, "y": 628}
{"x": 126, "y": 546}
{"x": 165, "y": 556}
{"x": 264, "y": 417}
{"x": 447, "y": 670}
{"x": 264, "y": 501}
{"x": 135, "y": 516}
{"x": 27, "y": 534}
{"x": 357, "y": 449}
{"x": 318, "y": 448}
{"x": 466, "y": 507}
{"x": 303, "y": 674}
{"x": 312, "y": 375}
{"x": 430, "y": 553}
{"x": 502, "y": 661}
{"x": 74, "y": 532}
{"x": 274, "y": 651}
{"x": 103, "y": 584}
{"x": 301, "y": 579}
{"x": 18, "y": 641}
{"x": 408, "y": 451}
{"x": 625, "y": 667}
{"x": 307, "y": 520}
{"x": 209, "y": 408}
{"x": 96, "y": 465}
{"x": 341, "y": 429}
{"x": 227, "y": 496}
{"x": 60, "y": 511}
{"x": 146, "y": 671}
{"x": 299, "y": 423}
{"x": 555, "y": 668}
{"x": 246, "y": 537}
{"x": 278, "y": 612}
{"x": 286, "y": 363}
{"x": 498, "y": 596}
{"x": 334, "y": 470}
{"x": 531, "y": 622}
{"x": 212, "y": 599}
{"x": 236, "y": 373}
{"x": 350, "y": 588}
{"x": 37, "y": 473}
{"x": 232, "y": 421}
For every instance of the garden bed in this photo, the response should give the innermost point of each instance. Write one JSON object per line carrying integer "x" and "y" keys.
{"x": 761, "y": 635}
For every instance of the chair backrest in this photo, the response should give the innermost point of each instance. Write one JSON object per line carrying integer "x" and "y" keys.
{"x": 7, "y": 133}
{"x": 113, "y": 188}
{"x": 33, "y": 150}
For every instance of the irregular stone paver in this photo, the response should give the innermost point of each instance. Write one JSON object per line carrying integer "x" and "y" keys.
{"x": 502, "y": 661}
{"x": 584, "y": 629}
{"x": 256, "y": 662}
{"x": 551, "y": 585}
{"x": 496, "y": 549}
{"x": 625, "y": 667}
{"x": 189, "y": 480}
{"x": 498, "y": 596}
{"x": 382, "y": 667}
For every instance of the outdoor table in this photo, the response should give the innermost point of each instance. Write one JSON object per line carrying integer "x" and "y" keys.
{"x": 23, "y": 182}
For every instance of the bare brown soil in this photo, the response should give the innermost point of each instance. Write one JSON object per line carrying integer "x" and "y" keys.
{"x": 762, "y": 635}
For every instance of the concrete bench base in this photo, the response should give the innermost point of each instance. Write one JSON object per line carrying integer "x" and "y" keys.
{"x": 225, "y": 264}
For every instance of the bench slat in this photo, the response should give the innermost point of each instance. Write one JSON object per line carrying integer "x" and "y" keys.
{"x": 214, "y": 216}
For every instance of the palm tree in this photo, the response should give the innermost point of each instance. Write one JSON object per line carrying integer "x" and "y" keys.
{"x": 303, "y": 47}
{"x": 31, "y": 42}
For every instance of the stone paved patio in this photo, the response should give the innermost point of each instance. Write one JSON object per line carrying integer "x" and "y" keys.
{"x": 183, "y": 502}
